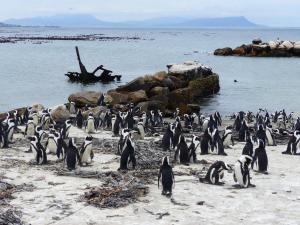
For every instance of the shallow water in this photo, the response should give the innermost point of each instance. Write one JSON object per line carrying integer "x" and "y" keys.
{"x": 34, "y": 73}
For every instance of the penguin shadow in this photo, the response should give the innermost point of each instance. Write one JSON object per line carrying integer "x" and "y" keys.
{"x": 238, "y": 187}
{"x": 256, "y": 172}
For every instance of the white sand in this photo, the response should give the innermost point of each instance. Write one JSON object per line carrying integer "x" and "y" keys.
{"x": 274, "y": 200}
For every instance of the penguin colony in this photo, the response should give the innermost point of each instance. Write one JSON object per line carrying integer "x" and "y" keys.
{"x": 184, "y": 135}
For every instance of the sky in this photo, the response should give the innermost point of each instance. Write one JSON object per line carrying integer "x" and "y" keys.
{"x": 265, "y": 12}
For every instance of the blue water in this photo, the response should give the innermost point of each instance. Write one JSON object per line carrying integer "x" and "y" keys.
{"x": 34, "y": 73}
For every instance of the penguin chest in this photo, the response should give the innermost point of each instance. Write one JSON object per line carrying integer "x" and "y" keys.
{"x": 52, "y": 146}
{"x": 90, "y": 126}
{"x": 10, "y": 133}
{"x": 269, "y": 138}
{"x": 35, "y": 120}
{"x": 239, "y": 175}
{"x": 86, "y": 155}
{"x": 227, "y": 140}
{"x": 30, "y": 130}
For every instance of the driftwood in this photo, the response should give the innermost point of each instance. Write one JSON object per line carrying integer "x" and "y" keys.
{"x": 86, "y": 77}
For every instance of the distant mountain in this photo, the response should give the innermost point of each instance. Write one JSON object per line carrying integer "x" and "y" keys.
{"x": 6, "y": 25}
{"x": 74, "y": 20}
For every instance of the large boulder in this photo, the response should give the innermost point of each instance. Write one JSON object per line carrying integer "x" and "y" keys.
{"x": 203, "y": 87}
{"x": 60, "y": 113}
{"x": 159, "y": 91}
{"x": 242, "y": 50}
{"x": 115, "y": 97}
{"x": 286, "y": 45}
{"x": 189, "y": 70}
{"x": 223, "y": 51}
{"x": 96, "y": 111}
{"x": 89, "y": 98}
{"x": 152, "y": 105}
{"x": 142, "y": 83}
{"x": 137, "y": 96}
{"x": 296, "y": 49}
{"x": 257, "y": 41}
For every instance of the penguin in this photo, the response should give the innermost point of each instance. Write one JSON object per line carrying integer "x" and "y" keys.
{"x": 241, "y": 173}
{"x": 61, "y": 145}
{"x": 79, "y": 119}
{"x": 107, "y": 120}
{"x": 129, "y": 120}
{"x": 117, "y": 121}
{"x": 269, "y": 136}
{"x": 10, "y": 130}
{"x": 86, "y": 152}
{"x": 215, "y": 173}
{"x": 244, "y": 131}
{"x": 248, "y": 148}
{"x": 122, "y": 140}
{"x": 72, "y": 156}
{"x": 177, "y": 133}
{"x": 51, "y": 143}
{"x": 205, "y": 143}
{"x": 141, "y": 130}
{"x": 183, "y": 151}
{"x": 188, "y": 121}
{"x": 227, "y": 138}
{"x": 46, "y": 121}
{"x": 291, "y": 147}
{"x": 39, "y": 133}
{"x": 238, "y": 122}
{"x": 176, "y": 113}
{"x": 72, "y": 108}
{"x": 167, "y": 139}
{"x": 35, "y": 118}
{"x": 66, "y": 129}
{"x": 167, "y": 177}
{"x": 193, "y": 147}
{"x": 25, "y": 115}
{"x": 261, "y": 133}
{"x": 30, "y": 127}
{"x": 2, "y": 136}
{"x": 218, "y": 119}
{"x": 90, "y": 124}
{"x": 128, "y": 154}
{"x": 39, "y": 151}
{"x": 260, "y": 155}
{"x": 217, "y": 143}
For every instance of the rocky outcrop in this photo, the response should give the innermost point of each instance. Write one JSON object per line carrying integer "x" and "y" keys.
{"x": 60, "y": 113}
{"x": 261, "y": 49}
{"x": 183, "y": 85}
{"x": 89, "y": 98}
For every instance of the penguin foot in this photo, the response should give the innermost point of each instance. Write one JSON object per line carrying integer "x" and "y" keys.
{"x": 28, "y": 151}
{"x": 286, "y": 153}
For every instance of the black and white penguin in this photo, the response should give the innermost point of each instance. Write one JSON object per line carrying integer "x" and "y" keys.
{"x": 227, "y": 138}
{"x": 206, "y": 141}
{"x": 215, "y": 173}
{"x": 122, "y": 140}
{"x": 129, "y": 120}
{"x": 261, "y": 133}
{"x": 193, "y": 147}
{"x": 167, "y": 139}
{"x": 260, "y": 155}
{"x": 86, "y": 152}
{"x": 79, "y": 119}
{"x": 39, "y": 133}
{"x": 177, "y": 133}
{"x": 217, "y": 143}
{"x": 72, "y": 155}
{"x": 176, "y": 113}
{"x": 249, "y": 146}
{"x": 218, "y": 119}
{"x": 30, "y": 127}
{"x": 241, "y": 173}
{"x": 183, "y": 151}
{"x": 25, "y": 115}
{"x": 51, "y": 143}
{"x": 2, "y": 136}
{"x": 141, "y": 130}
{"x": 35, "y": 118}
{"x": 90, "y": 124}
{"x": 39, "y": 151}
{"x": 116, "y": 124}
{"x": 72, "y": 108}
{"x": 46, "y": 121}
{"x": 244, "y": 131}
{"x": 167, "y": 177}
{"x": 270, "y": 136}
{"x": 9, "y": 132}
{"x": 66, "y": 129}
{"x": 128, "y": 154}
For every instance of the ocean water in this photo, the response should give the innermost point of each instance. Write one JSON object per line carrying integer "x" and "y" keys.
{"x": 34, "y": 73}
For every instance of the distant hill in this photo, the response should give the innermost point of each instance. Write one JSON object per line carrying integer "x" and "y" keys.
{"x": 6, "y": 25}
{"x": 74, "y": 20}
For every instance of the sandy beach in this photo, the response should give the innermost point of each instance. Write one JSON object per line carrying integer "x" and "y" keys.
{"x": 57, "y": 199}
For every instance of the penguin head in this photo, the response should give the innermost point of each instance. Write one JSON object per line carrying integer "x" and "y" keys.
{"x": 11, "y": 122}
{"x": 68, "y": 122}
{"x": 91, "y": 114}
{"x": 195, "y": 138}
{"x": 33, "y": 139}
{"x": 89, "y": 138}
{"x": 165, "y": 161}
{"x": 261, "y": 143}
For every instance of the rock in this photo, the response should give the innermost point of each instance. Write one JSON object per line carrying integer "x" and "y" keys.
{"x": 89, "y": 98}
{"x": 152, "y": 105}
{"x": 37, "y": 108}
{"x": 159, "y": 91}
{"x": 257, "y": 41}
{"x": 203, "y": 87}
{"x": 60, "y": 113}
{"x": 193, "y": 108}
{"x": 96, "y": 111}
{"x": 223, "y": 51}
{"x": 189, "y": 70}
{"x": 178, "y": 98}
{"x": 161, "y": 98}
{"x": 142, "y": 83}
{"x": 273, "y": 44}
{"x": 137, "y": 96}
{"x": 296, "y": 49}
{"x": 286, "y": 45}
{"x": 115, "y": 97}
{"x": 260, "y": 50}
{"x": 239, "y": 51}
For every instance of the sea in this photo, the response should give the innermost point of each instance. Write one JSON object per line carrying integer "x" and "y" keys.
{"x": 34, "y": 73}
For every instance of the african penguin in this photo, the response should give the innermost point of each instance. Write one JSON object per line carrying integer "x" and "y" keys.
{"x": 86, "y": 152}
{"x": 167, "y": 177}
{"x": 39, "y": 151}
{"x": 241, "y": 173}
{"x": 215, "y": 173}
{"x": 260, "y": 155}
